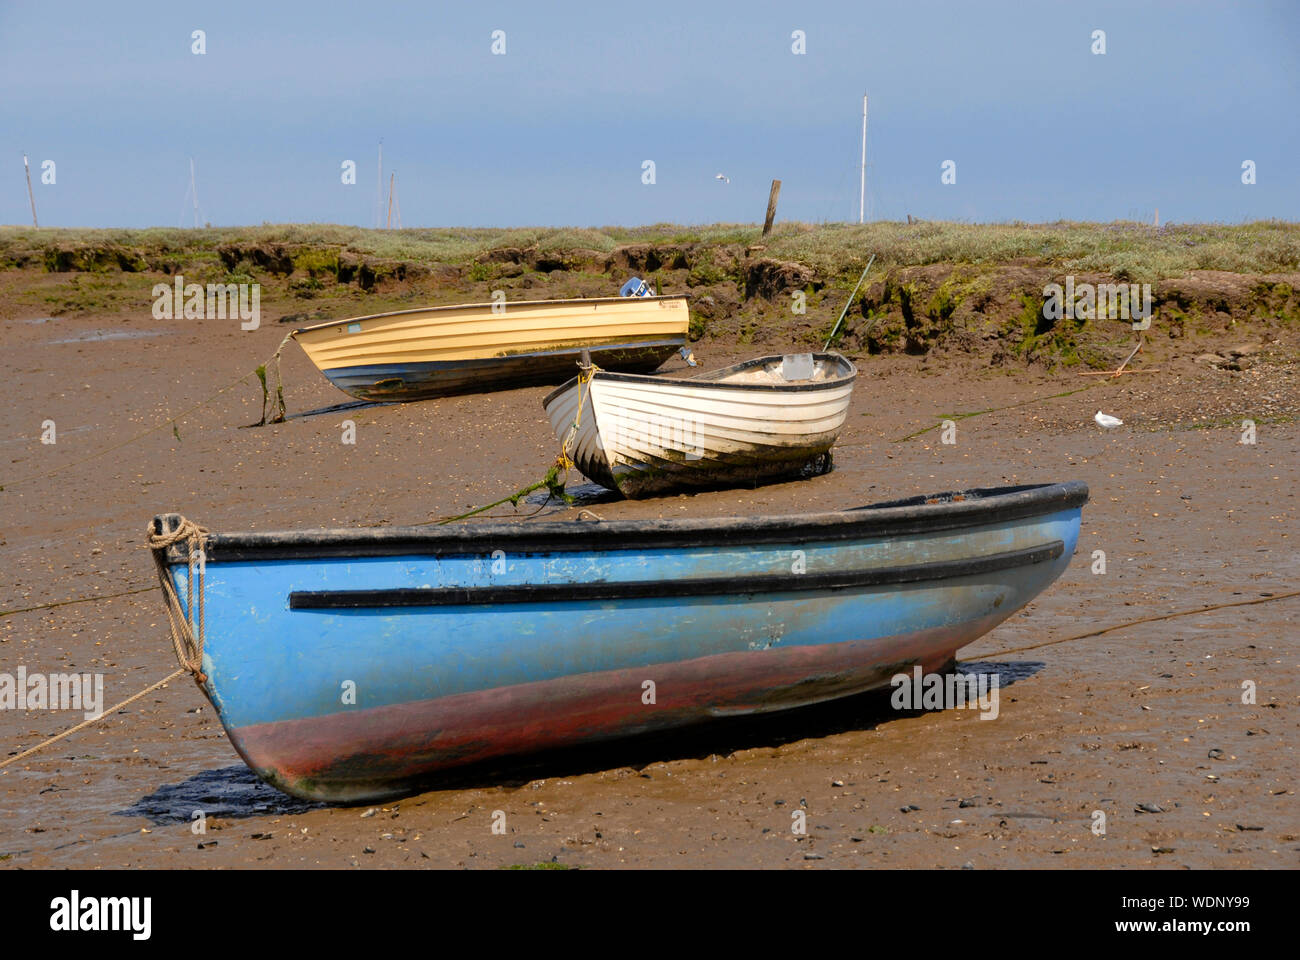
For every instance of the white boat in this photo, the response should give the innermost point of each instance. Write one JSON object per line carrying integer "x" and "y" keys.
{"x": 761, "y": 421}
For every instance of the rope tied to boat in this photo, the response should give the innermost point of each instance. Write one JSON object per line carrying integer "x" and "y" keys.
{"x": 557, "y": 476}
{"x": 187, "y": 622}
{"x": 586, "y": 371}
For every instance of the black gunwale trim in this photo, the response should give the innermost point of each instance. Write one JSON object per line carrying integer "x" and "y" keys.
{"x": 669, "y": 344}
{"x": 655, "y": 589}
{"x": 465, "y": 306}
{"x": 981, "y": 507}
{"x": 711, "y": 379}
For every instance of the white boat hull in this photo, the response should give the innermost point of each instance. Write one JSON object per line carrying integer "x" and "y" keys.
{"x": 746, "y": 425}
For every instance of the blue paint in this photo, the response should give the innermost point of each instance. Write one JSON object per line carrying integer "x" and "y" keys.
{"x": 268, "y": 663}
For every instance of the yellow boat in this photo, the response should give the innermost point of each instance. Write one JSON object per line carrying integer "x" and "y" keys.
{"x": 436, "y": 351}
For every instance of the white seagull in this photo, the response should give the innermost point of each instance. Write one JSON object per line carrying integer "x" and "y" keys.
{"x": 1107, "y": 421}
{"x": 722, "y": 177}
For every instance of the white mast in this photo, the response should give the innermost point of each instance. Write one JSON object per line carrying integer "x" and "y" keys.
{"x": 862, "y": 192}
{"x": 194, "y": 192}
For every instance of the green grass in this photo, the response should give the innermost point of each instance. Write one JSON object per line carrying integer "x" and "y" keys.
{"x": 1129, "y": 251}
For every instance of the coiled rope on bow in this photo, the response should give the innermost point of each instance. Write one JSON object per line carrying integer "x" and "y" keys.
{"x": 187, "y": 622}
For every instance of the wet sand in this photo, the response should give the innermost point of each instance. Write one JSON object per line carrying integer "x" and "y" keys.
{"x": 1149, "y": 715}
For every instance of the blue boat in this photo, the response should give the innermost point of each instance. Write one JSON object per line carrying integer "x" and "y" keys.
{"x": 354, "y": 665}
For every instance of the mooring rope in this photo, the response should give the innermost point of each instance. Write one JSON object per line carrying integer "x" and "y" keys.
{"x": 187, "y": 622}
{"x": 980, "y": 413}
{"x": 93, "y": 720}
{"x": 64, "y": 603}
{"x": 1134, "y": 623}
{"x": 553, "y": 482}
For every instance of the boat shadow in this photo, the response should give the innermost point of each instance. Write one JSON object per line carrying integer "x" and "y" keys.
{"x": 235, "y": 792}
{"x": 581, "y": 495}
{"x": 340, "y": 408}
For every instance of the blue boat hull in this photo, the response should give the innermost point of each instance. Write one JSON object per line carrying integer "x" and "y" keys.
{"x": 352, "y": 665}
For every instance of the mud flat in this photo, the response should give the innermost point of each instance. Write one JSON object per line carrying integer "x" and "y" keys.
{"x": 1144, "y": 719}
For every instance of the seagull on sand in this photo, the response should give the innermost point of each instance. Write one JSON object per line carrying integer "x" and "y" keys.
{"x": 721, "y": 176}
{"x": 1107, "y": 421}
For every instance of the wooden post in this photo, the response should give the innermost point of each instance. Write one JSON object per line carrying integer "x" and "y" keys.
{"x": 771, "y": 206}
{"x": 31, "y": 198}
{"x": 1157, "y": 218}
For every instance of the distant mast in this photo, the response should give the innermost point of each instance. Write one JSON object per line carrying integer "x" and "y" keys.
{"x": 191, "y": 196}
{"x": 862, "y": 189}
{"x": 28, "y": 170}
{"x": 194, "y": 193}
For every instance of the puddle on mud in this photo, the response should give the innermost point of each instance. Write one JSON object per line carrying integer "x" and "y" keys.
{"x": 583, "y": 494}
{"x": 98, "y": 335}
{"x": 231, "y": 792}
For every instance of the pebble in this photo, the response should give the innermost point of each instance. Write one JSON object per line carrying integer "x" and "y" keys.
{"x": 1148, "y": 808}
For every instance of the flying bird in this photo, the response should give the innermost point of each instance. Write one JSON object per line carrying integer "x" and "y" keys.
{"x": 722, "y": 177}
{"x": 1107, "y": 421}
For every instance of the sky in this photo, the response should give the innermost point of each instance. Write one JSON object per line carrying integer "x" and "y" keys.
{"x": 556, "y": 130}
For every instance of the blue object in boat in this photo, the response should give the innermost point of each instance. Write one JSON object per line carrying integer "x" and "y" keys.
{"x": 636, "y": 287}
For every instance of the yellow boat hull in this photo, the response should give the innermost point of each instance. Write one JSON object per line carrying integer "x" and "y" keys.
{"x": 437, "y": 351}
